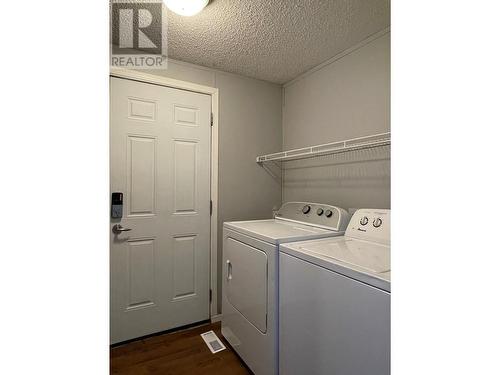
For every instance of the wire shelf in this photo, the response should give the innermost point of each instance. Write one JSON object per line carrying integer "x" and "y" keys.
{"x": 359, "y": 143}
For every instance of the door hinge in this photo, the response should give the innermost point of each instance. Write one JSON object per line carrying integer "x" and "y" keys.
{"x": 211, "y": 119}
{"x": 211, "y": 209}
{"x": 210, "y": 295}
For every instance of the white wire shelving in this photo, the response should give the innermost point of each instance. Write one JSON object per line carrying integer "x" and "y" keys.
{"x": 359, "y": 143}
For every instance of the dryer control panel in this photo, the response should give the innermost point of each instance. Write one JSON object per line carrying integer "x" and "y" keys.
{"x": 316, "y": 214}
{"x": 371, "y": 224}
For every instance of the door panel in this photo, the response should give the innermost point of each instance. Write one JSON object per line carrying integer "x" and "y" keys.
{"x": 142, "y": 175}
{"x": 186, "y": 116}
{"x": 160, "y": 160}
{"x": 185, "y": 176}
{"x": 141, "y": 273}
{"x": 184, "y": 267}
{"x": 142, "y": 109}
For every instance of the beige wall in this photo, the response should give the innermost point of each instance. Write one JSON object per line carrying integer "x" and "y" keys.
{"x": 249, "y": 125}
{"x": 350, "y": 97}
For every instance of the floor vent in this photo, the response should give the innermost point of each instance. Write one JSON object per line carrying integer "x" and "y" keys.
{"x": 213, "y": 342}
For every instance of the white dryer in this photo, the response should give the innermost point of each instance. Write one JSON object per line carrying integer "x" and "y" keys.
{"x": 250, "y": 276}
{"x": 334, "y": 303}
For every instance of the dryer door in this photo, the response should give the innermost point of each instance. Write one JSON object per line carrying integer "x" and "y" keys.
{"x": 246, "y": 281}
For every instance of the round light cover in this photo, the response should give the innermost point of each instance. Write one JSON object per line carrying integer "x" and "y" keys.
{"x": 186, "y": 7}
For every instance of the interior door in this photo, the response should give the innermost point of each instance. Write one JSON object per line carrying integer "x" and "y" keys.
{"x": 160, "y": 161}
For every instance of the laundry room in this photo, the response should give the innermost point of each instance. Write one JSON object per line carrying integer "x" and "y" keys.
{"x": 255, "y": 188}
{"x": 270, "y": 146}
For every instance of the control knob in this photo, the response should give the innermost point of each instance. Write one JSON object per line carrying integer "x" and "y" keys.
{"x": 364, "y": 220}
{"x": 306, "y": 209}
{"x": 319, "y": 211}
{"x": 328, "y": 213}
{"x": 377, "y": 222}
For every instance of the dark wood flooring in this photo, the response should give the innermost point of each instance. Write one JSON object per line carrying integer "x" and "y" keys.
{"x": 176, "y": 353}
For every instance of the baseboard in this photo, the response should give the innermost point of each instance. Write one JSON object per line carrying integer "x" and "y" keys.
{"x": 216, "y": 318}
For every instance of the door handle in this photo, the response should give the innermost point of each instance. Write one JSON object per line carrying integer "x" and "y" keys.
{"x": 117, "y": 229}
{"x": 229, "y": 272}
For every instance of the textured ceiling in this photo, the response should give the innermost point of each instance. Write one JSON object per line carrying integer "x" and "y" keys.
{"x": 273, "y": 40}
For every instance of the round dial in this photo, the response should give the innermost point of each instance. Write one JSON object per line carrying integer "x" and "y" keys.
{"x": 319, "y": 211}
{"x": 306, "y": 209}
{"x": 364, "y": 220}
{"x": 377, "y": 222}
{"x": 328, "y": 213}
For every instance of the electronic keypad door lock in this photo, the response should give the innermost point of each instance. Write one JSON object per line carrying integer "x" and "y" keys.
{"x": 116, "y": 205}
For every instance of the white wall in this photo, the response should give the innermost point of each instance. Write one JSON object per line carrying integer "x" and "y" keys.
{"x": 347, "y": 98}
{"x": 249, "y": 125}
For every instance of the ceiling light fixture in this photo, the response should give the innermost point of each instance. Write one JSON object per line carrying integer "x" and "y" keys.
{"x": 186, "y": 7}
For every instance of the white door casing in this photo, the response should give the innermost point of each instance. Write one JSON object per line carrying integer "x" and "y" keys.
{"x": 160, "y": 161}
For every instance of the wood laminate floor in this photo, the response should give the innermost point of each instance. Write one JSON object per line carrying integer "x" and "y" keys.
{"x": 176, "y": 353}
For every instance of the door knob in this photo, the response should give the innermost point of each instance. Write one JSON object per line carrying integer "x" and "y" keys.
{"x": 117, "y": 229}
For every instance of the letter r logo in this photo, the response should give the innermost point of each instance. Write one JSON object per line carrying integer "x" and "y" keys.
{"x": 137, "y": 28}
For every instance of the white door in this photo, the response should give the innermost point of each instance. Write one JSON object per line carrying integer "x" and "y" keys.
{"x": 160, "y": 161}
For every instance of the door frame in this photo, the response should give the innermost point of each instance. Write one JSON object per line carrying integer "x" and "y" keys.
{"x": 214, "y": 156}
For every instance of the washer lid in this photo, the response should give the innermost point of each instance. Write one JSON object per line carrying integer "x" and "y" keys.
{"x": 366, "y": 261}
{"x": 278, "y": 231}
{"x": 361, "y": 254}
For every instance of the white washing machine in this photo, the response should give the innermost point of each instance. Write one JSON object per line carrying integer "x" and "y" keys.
{"x": 334, "y": 303}
{"x": 250, "y": 276}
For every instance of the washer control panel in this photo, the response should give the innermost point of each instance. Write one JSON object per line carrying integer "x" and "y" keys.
{"x": 322, "y": 215}
{"x": 371, "y": 224}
